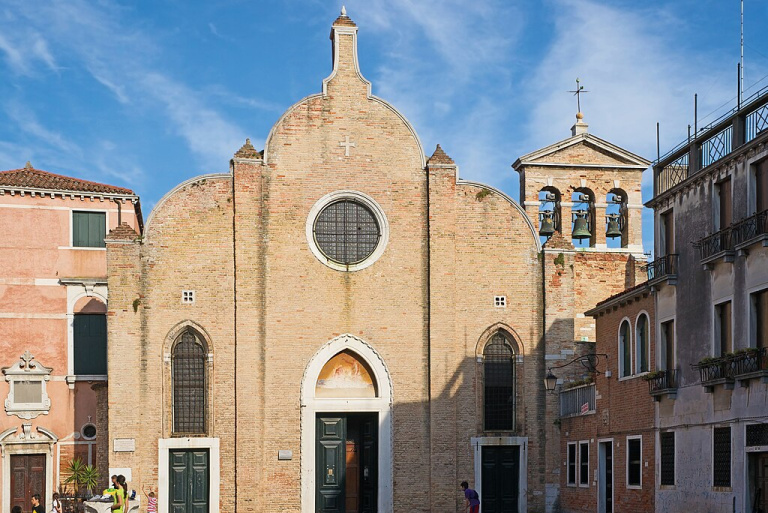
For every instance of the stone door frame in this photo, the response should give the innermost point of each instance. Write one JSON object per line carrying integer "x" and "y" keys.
{"x": 164, "y": 445}
{"x": 311, "y": 406}
{"x": 27, "y": 442}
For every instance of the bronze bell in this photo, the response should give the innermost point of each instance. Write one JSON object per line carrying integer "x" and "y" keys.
{"x": 581, "y": 225}
{"x": 614, "y": 226}
{"x": 546, "y": 223}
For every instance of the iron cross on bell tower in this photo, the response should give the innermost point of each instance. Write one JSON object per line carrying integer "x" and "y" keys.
{"x": 577, "y": 93}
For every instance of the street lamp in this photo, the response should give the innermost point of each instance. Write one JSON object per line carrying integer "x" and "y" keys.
{"x": 589, "y": 361}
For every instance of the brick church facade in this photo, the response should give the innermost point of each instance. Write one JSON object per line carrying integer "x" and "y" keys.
{"x": 340, "y": 323}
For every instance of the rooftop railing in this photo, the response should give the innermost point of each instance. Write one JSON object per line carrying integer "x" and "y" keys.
{"x": 712, "y": 142}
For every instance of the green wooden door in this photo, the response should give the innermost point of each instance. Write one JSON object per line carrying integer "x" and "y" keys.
{"x": 331, "y": 464}
{"x": 189, "y": 484}
{"x": 370, "y": 463}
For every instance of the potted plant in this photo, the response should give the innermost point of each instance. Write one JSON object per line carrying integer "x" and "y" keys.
{"x": 81, "y": 476}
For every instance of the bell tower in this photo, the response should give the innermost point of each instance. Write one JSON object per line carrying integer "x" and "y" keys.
{"x": 583, "y": 194}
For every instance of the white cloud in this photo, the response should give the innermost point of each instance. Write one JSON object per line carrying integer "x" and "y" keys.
{"x": 636, "y": 69}
{"x": 22, "y": 53}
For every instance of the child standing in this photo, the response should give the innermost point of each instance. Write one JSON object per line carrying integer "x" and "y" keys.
{"x": 55, "y": 504}
{"x": 151, "y": 502}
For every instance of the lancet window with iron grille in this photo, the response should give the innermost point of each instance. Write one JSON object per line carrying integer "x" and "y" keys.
{"x": 189, "y": 379}
{"x": 499, "y": 373}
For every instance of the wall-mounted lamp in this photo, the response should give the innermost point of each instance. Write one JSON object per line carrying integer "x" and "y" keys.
{"x": 589, "y": 361}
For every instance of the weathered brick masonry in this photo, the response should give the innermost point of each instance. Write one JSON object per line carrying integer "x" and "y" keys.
{"x": 266, "y": 305}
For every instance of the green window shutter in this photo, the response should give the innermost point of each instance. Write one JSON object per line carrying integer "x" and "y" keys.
{"x": 88, "y": 229}
{"x": 90, "y": 334}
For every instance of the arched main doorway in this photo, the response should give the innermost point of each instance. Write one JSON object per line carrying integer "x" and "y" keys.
{"x": 346, "y": 430}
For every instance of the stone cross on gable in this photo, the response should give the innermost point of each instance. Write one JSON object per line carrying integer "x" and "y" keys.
{"x": 27, "y": 358}
{"x": 346, "y": 144}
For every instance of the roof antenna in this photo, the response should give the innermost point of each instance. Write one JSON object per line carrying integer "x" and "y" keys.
{"x": 741, "y": 77}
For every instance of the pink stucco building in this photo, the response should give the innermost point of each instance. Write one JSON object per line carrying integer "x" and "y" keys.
{"x": 53, "y": 296}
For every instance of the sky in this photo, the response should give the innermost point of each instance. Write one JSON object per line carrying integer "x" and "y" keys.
{"x": 147, "y": 94}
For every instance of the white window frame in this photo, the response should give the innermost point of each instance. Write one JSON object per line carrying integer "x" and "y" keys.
{"x": 582, "y": 444}
{"x": 500, "y": 301}
{"x": 632, "y": 486}
{"x": 575, "y": 464}
{"x": 371, "y": 204}
{"x": 621, "y": 350}
{"x": 188, "y": 297}
{"x": 638, "y": 372}
{"x": 27, "y": 369}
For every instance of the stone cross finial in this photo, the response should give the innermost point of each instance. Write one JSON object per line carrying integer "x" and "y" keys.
{"x": 27, "y": 358}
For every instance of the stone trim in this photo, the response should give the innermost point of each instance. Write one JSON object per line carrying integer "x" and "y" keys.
{"x": 477, "y": 444}
{"x": 164, "y": 445}
{"x": 382, "y": 405}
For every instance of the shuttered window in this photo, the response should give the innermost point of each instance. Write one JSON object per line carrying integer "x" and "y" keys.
{"x": 90, "y": 340}
{"x": 88, "y": 229}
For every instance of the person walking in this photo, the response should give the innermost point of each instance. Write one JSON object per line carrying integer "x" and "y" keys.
{"x": 471, "y": 498}
{"x": 55, "y": 504}
{"x": 118, "y": 499}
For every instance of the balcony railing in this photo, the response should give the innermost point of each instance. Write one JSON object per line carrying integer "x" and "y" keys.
{"x": 577, "y": 401}
{"x": 750, "y": 363}
{"x": 662, "y": 383}
{"x": 716, "y": 245}
{"x": 662, "y": 267}
{"x": 710, "y": 144}
{"x": 750, "y": 229}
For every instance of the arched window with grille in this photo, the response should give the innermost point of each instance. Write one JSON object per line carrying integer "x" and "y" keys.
{"x": 189, "y": 378}
{"x": 499, "y": 393}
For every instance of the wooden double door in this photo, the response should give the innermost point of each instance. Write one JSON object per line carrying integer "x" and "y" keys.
{"x": 27, "y": 479}
{"x": 189, "y": 481}
{"x": 347, "y": 463}
{"x": 500, "y": 479}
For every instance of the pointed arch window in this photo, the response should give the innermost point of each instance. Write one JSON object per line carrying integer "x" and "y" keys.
{"x": 499, "y": 392}
{"x": 189, "y": 377}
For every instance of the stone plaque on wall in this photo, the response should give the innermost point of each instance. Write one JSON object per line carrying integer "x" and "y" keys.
{"x": 124, "y": 444}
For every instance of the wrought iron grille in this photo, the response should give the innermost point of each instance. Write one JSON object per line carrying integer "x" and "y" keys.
{"x": 722, "y": 457}
{"x": 716, "y": 147}
{"x": 749, "y": 361}
{"x": 189, "y": 384}
{"x": 718, "y": 368}
{"x": 757, "y": 121}
{"x": 757, "y": 434}
{"x": 672, "y": 174}
{"x": 662, "y": 266}
{"x": 347, "y": 232}
{"x": 664, "y": 380}
{"x": 499, "y": 371}
{"x": 750, "y": 228}
{"x": 716, "y": 243}
{"x": 667, "y": 442}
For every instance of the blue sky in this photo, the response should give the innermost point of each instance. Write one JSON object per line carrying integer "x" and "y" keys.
{"x": 148, "y": 94}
